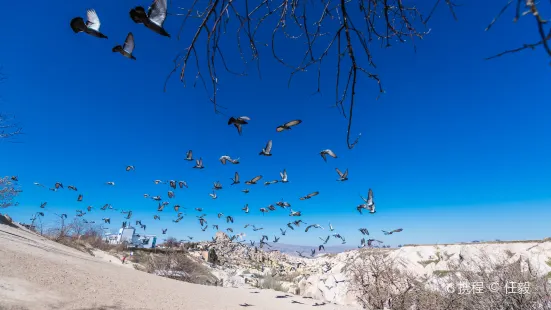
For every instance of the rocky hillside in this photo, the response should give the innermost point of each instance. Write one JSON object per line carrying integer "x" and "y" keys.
{"x": 331, "y": 277}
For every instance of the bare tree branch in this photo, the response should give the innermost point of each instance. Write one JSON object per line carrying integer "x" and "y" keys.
{"x": 9, "y": 189}
{"x": 541, "y": 23}
{"x": 342, "y": 30}
{"x": 8, "y": 127}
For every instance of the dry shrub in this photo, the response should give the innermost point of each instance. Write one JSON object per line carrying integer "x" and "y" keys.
{"x": 379, "y": 284}
{"x": 171, "y": 242}
{"x": 270, "y": 282}
{"x": 179, "y": 266}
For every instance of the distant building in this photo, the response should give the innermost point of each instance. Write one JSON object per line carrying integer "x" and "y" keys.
{"x": 127, "y": 234}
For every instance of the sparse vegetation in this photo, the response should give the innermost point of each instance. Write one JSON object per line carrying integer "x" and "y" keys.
{"x": 179, "y": 266}
{"x": 441, "y": 273}
{"x": 9, "y": 189}
{"x": 270, "y": 282}
{"x": 377, "y": 284}
{"x": 509, "y": 253}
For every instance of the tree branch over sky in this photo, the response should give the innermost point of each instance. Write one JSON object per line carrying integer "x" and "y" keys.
{"x": 541, "y": 24}
{"x": 9, "y": 189}
{"x": 342, "y": 32}
{"x": 8, "y": 127}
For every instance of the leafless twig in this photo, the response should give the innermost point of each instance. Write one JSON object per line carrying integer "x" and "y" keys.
{"x": 340, "y": 29}
{"x": 541, "y": 23}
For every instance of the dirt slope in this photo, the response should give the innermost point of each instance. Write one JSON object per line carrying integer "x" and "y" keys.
{"x": 36, "y": 273}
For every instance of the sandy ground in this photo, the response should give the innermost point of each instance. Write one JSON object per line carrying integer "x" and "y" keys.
{"x": 36, "y": 273}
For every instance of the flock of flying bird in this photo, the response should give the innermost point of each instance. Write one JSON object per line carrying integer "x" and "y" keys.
{"x": 368, "y": 203}
{"x": 154, "y": 19}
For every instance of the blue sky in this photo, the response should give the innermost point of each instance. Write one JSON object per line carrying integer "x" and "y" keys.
{"x": 456, "y": 150}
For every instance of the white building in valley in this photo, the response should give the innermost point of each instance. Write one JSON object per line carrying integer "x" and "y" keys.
{"x": 127, "y": 235}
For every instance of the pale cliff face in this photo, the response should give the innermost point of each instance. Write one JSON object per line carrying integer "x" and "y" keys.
{"x": 326, "y": 276}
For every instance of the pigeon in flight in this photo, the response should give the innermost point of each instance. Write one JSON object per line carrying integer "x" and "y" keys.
{"x": 239, "y": 122}
{"x": 43, "y": 205}
{"x": 213, "y": 195}
{"x": 288, "y": 125}
{"x": 189, "y": 155}
{"x": 253, "y": 180}
{"x": 172, "y": 184}
{"x": 226, "y": 158}
{"x": 156, "y": 217}
{"x": 235, "y": 179}
{"x": 283, "y": 175}
{"x": 164, "y": 231}
{"x": 154, "y": 18}
{"x": 106, "y": 220}
{"x": 369, "y": 203}
{"x": 295, "y": 213}
{"x": 71, "y": 187}
{"x": 199, "y": 164}
{"x": 110, "y": 183}
{"x": 126, "y": 50}
{"x": 38, "y": 184}
{"x": 79, "y": 197}
{"x": 342, "y": 176}
{"x": 283, "y": 204}
{"x": 309, "y": 195}
{"x": 246, "y": 190}
{"x": 326, "y": 152}
{"x": 314, "y": 226}
{"x": 182, "y": 184}
{"x": 392, "y": 231}
{"x": 130, "y": 168}
{"x": 58, "y": 185}
{"x": 266, "y": 151}
{"x": 270, "y": 182}
{"x": 217, "y": 185}
{"x": 91, "y": 26}
{"x": 364, "y": 231}
{"x": 246, "y": 208}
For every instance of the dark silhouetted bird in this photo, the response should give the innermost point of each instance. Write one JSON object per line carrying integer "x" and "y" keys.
{"x": 91, "y": 26}
{"x": 326, "y": 152}
{"x": 154, "y": 18}
{"x": 189, "y": 155}
{"x": 342, "y": 176}
{"x": 266, "y": 151}
{"x": 288, "y": 125}
{"x": 309, "y": 195}
{"x": 239, "y": 122}
{"x": 126, "y": 50}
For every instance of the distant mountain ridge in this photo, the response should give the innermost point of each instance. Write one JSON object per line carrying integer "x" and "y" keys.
{"x": 292, "y": 249}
